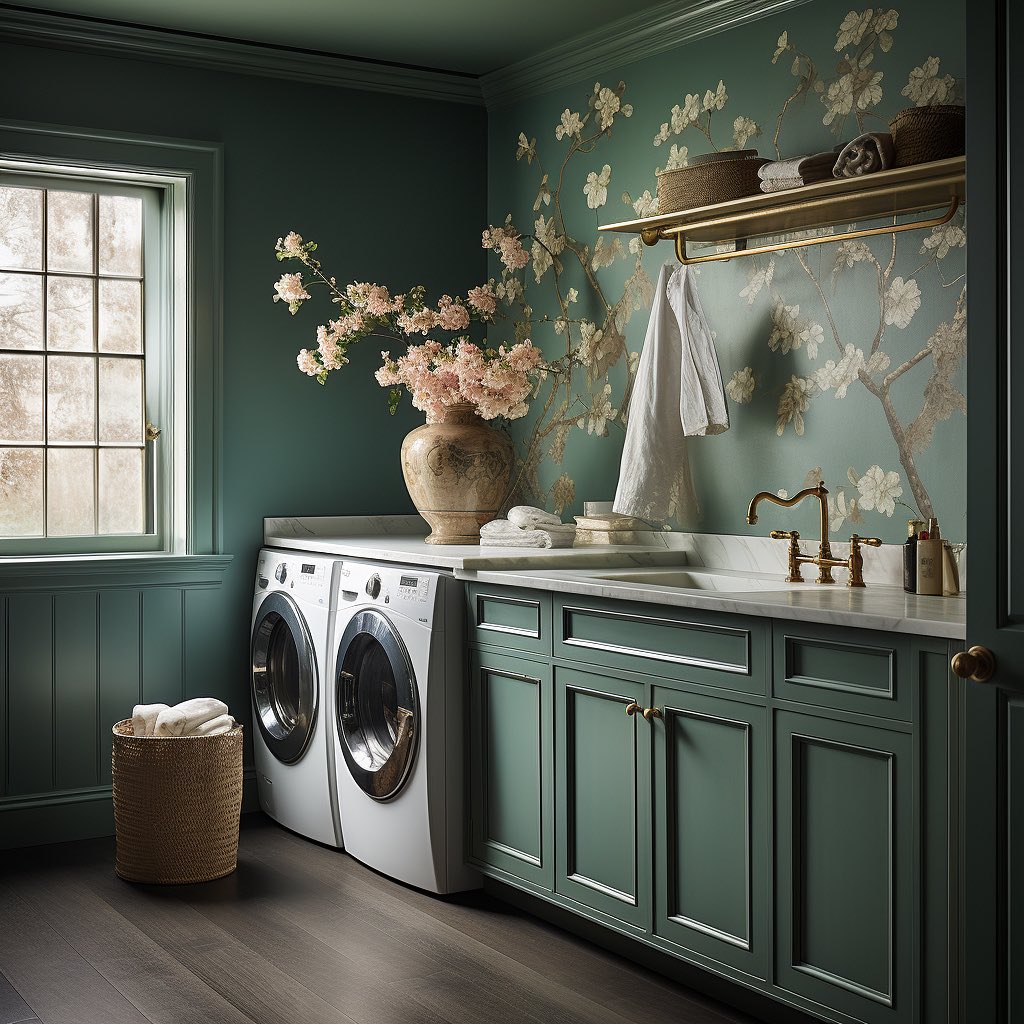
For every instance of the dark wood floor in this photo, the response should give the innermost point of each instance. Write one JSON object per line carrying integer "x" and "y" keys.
{"x": 298, "y": 935}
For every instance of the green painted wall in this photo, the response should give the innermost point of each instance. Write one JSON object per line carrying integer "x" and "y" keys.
{"x": 360, "y": 172}
{"x": 839, "y": 434}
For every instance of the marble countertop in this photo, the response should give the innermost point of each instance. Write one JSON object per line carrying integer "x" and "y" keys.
{"x": 400, "y": 539}
{"x": 873, "y": 607}
{"x": 756, "y": 564}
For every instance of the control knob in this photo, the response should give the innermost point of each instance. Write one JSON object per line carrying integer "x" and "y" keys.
{"x": 281, "y": 573}
{"x": 373, "y": 585}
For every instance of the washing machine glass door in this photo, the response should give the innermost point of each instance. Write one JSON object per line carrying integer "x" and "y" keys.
{"x": 377, "y": 709}
{"x": 284, "y": 678}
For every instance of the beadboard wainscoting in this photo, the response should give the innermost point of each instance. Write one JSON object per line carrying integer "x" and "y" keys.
{"x": 76, "y": 653}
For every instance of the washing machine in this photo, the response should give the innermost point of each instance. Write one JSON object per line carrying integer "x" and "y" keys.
{"x": 292, "y": 617}
{"x": 398, "y": 723}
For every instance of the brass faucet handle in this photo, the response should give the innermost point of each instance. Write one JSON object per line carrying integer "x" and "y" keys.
{"x": 873, "y": 542}
{"x": 784, "y": 535}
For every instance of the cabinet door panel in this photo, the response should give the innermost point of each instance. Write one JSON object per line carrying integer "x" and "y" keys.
{"x": 510, "y": 766}
{"x": 845, "y": 840}
{"x": 711, "y": 834}
{"x": 602, "y": 778}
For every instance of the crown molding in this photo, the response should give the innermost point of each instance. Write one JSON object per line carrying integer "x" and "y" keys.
{"x": 622, "y": 42}
{"x": 71, "y": 32}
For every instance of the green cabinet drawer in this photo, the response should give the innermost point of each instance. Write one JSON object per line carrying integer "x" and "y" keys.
{"x": 510, "y": 768}
{"x": 602, "y": 803}
{"x": 700, "y": 647}
{"x": 510, "y": 617}
{"x": 845, "y": 877}
{"x": 847, "y": 669}
{"x": 711, "y": 827}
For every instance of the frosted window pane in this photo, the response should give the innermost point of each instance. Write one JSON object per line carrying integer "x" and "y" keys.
{"x": 71, "y": 398}
{"x": 21, "y": 492}
{"x": 122, "y": 494}
{"x": 21, "y": 228}
{"x": 120, "y": 235}
{"x": 70, "y": 492}
{"x": 120, "y": 316}
{"x": 21, "y": 311}
{"x": 69, "y": 314}
{"x": 21, "y": 399}
{"x": 69, "y": 231}
{"x": 121, "y": 400}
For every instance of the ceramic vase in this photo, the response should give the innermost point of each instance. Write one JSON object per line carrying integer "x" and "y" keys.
{"x": 457, "y": 469}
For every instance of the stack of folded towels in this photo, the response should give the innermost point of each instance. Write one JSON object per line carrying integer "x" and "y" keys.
{"x": 781, "y": 175}
{"x": 527, "y": 527}
{"x": 201, "y": 716}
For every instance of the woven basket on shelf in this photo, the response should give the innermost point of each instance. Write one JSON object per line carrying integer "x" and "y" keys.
{"x": 708, "y": 179}
{"x": 176, "y": 805}
{"x": 921, "y": 134}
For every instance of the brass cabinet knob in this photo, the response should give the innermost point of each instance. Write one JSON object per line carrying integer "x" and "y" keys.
{"x": 976, "y": 664}
{"x": 650, "y": 713}
{"x": 632, "y": 708}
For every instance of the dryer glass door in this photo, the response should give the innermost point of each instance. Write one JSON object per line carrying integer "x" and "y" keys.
{"x": 285, "y": 683}
{"x": 377, "y": 709}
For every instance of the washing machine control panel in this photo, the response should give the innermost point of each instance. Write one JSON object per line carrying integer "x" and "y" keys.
{"x": 414, "y": 588}
{"x": 312, "y": 579}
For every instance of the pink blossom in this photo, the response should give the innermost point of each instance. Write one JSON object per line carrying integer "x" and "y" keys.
{"x": 451, "y": 314}
{"x": 483, "y": 300}
{"x": 505, "y": 242}
{"x": 290, "y": 245}
{"x": 289, "y": 289}
{"x": 420, "y": 322}
{"x": 307, "y": 363}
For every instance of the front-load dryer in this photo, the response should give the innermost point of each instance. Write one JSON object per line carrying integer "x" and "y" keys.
{"x": 291, "y": 622}
{"x": 398, "y": 723}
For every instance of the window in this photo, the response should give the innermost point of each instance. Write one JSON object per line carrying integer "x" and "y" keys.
{"x": 73, "y": 360}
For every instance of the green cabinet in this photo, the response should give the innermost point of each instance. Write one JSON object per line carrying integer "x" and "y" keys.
{"x": 844, "y": 865}
{"x": 711, "y": 827}
{"x": 510, "y": 746}
{"x": 783, "y": 815}
{"x": 602, "y": 806}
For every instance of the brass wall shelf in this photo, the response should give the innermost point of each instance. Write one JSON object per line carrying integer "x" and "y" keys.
{"x": 938, "y": 185}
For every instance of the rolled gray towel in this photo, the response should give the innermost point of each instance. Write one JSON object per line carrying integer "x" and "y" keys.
{"x": 808, "y": 168}
{"x": 866, "y": 154}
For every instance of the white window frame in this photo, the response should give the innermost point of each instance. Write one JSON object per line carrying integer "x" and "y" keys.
{"x": 187, "y": 330}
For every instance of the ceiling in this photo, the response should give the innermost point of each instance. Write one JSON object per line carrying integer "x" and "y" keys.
{"x": 472, "y": 37}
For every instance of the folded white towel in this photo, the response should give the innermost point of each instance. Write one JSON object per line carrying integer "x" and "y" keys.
{"x": 677, "y": 393}
{"x": 183, "y": 718}
{"x": 215, "y": 727}
{"x": 530, "y": 518}
{"x": 500, "y": 533}
{"x": 144, "y": 718}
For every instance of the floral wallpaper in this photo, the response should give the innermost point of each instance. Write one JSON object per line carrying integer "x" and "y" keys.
{"x": 843, "y": 361}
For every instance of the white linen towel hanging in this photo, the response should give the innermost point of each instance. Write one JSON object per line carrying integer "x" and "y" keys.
{"x": 677, "y": 394}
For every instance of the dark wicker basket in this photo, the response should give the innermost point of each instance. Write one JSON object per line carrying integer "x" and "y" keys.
{"x": 712, "y": 178}
{"x": 177, "y": 801}
{"x": 921, "y": 134}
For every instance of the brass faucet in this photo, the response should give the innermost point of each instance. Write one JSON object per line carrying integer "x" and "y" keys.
{"x": 823, "y": 559}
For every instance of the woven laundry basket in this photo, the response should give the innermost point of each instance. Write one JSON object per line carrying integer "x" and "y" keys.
{"x": 922, "y": 134}
{"x": 708, "y": 179}
{"x": 177, "y": 801}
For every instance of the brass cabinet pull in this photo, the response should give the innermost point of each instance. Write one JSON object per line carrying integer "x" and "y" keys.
{"x": 632, "y": 708}
{"x": 650, "y": 713}
{"x": 977, "y": 664}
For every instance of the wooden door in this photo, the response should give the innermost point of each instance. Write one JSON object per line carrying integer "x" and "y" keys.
{"x": 992, "y": 828}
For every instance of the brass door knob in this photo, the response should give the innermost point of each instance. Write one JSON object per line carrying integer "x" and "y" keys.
{"x": 632, "y": 708}
{"x": 650, "y": 713}
{"x": 976, "y": 664}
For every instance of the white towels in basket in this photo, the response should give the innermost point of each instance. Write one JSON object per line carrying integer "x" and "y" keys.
{"x": 201, "y": 716}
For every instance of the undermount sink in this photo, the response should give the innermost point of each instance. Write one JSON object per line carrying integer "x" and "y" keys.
{"x": 692, "y": 579}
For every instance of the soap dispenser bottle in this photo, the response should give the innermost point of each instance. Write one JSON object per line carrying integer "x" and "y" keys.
{"x": 929, "y": 560}
{"x": 914, "y": 527}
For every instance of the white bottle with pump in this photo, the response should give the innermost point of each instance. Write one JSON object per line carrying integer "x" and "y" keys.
{"x": 929, "y": 560}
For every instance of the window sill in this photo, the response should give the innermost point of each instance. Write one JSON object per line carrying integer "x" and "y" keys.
{"x": 87, "y": 572}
